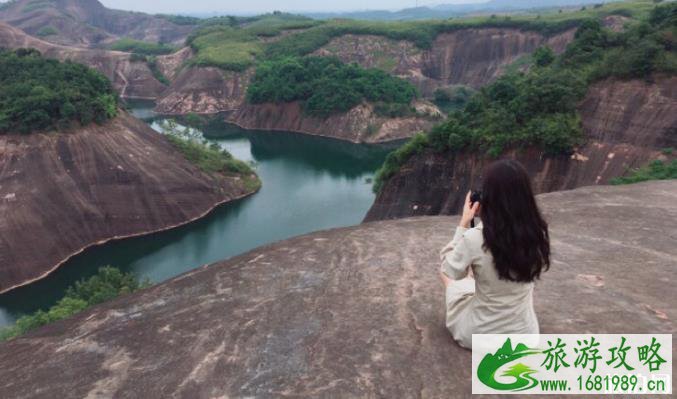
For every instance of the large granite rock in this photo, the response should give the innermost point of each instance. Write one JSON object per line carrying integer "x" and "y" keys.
{"x": 63, "y": 192}
{"x": 351, "y": 312}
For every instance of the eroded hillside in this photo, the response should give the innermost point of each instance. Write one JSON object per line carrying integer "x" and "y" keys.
{"x": 87, "y": 23}
{"x": 626, "y": 124}
{"x": 131, "y": 79}
{"x": 91, "y": 185}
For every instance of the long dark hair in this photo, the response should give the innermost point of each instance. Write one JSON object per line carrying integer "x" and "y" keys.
{"x": 513, "y": 228}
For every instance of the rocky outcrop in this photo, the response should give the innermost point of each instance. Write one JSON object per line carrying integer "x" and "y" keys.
{"x": 130, "y": 79}
{"x": 204, "y": 90}
{"x": 63, "y": 192}
{"x": 351, "y": 313}
{"x": 360, "y": 125}
{"x": 627, "y": 124}
{"x": 170, "y": 64}
{"x": 87, "y": 23}
{"x": 472, "y": 57}
{"x": 208, "y": 90}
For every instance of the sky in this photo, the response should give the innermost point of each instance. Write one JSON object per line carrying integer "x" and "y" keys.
{"x": 260, "y": 6}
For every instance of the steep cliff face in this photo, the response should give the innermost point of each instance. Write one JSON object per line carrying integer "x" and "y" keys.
{"x": 356, "y": 312}
{"x": 626, "y": 123}
{"x": 130, "y": 79}
{"x": 62, "y": 192}
{"x": 87, "y": 23}
{"x": 361, "y": 124}
{"x": 472, "y": 57}
{"x": 204, "y": 90}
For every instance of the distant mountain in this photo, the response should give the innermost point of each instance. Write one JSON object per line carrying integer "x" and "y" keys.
{"x": 87, "y": 23}
{"x": 454, "y": 10}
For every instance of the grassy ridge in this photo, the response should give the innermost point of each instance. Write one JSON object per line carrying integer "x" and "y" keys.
{"x": 539, "y": 107}
{"x": 235, "y": 43}
{"x": 141, "y": 47}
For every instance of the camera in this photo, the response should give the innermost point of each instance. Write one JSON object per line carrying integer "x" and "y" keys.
{"x": 476, "y": 196}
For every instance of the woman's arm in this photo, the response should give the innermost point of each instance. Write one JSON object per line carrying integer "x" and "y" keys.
{"x": 456, "y": 256}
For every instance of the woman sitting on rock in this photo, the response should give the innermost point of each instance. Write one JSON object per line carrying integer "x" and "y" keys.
{"x": 489, "y": 270}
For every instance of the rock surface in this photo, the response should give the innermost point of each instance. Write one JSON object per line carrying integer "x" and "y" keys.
{"x": 627, "y": 124}
{"x": 472, "y": 57}
{"x": 351, "y": 312}
{"x": 62, "y": 192}
{"x": 130, "y": 79}
{"x": 360, "y": 124}
{"x": 204, "y": 90}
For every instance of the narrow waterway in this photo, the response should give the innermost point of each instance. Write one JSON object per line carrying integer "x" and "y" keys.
{"x": 309, "y": 183}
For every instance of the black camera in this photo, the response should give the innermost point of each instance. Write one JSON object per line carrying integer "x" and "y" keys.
{"x": 476, "y": 196}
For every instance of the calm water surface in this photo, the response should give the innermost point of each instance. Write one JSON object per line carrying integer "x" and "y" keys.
{"x": 309, "y": 183}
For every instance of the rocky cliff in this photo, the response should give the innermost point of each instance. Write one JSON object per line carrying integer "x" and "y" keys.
{"x": 360, "y": 125}
{"x": 472, "y": 57}
{"x": 130, "y": 79}
{"x": 63, "y": 192}
{"x": 204, "y": 90}
{"x": 87, "y": 23}
{"x": 211, "y": 90}
{"x": 626, "y": 123}
{"x": 351, "y": 313}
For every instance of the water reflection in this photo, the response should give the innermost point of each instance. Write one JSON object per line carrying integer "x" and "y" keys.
{"x": 309, "y": 183}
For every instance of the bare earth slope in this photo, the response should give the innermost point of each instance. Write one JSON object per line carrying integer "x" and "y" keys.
{"x": 86, "y": 23}
{"x": 62, "y": 192}
{"x": 352, "y": 312}
{"x": 627, "y": 124}
{"x": 130, "y": 79}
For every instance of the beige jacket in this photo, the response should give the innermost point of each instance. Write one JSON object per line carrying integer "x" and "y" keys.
{"x": 485, "y": 304}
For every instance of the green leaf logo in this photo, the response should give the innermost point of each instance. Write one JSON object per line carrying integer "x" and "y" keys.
{"x": 490, "y": 364}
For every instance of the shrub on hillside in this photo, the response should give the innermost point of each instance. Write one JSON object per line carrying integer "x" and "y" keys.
{"x": 42, "y": 94}
{"x": 326, "y": 85}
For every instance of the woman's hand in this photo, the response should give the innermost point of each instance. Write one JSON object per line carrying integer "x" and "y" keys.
{"x": 469, "y": 211}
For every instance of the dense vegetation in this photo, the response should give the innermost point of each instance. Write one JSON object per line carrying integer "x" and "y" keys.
{"x": 107, "y": 284}
{"x": 42, "y": 94}
{"x": 539, "y": 107}
{"x": 209, "y": 157}
{"x": 453, "y": 98}
{"x": 656, "y": 170}
{"x": 325, "y": 85}
{"x": 140, "y": 47}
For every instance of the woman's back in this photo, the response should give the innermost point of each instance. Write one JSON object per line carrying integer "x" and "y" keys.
{"x": 507, "y": 252}
{"x": 484, "y": 303}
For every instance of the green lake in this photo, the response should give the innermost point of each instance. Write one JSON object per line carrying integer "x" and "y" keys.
{"x": 309, "y": 183}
